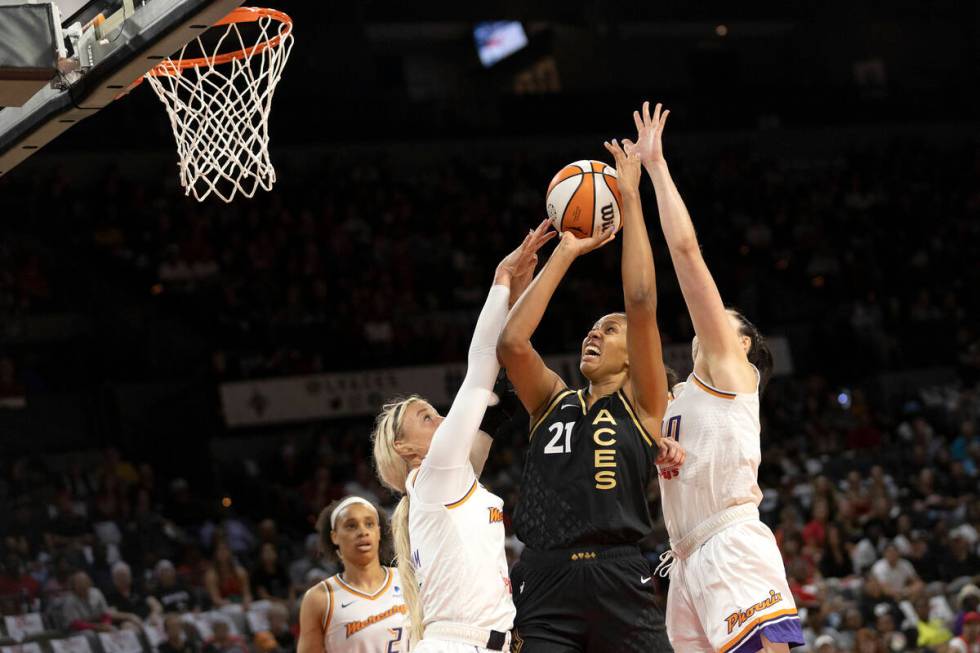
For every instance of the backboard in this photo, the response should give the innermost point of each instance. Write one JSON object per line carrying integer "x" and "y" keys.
{"x": 109, "y": 44}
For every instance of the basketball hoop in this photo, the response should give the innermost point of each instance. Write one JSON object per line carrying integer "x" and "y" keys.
{"x": 219, "y": 104}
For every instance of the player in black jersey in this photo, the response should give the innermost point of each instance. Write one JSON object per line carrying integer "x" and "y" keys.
{"x": 582, "y": 584}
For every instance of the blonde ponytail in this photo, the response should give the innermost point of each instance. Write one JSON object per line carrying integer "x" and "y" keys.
{"x": 393, "y": 472}
{"x": 406, "y": 570}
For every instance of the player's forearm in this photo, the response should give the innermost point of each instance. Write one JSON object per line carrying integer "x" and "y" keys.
{"x": 675, "y": 221}
{"x": 639, "y": 277}
{"x": 453, "y": 440}
{"x": 527, "y": 313}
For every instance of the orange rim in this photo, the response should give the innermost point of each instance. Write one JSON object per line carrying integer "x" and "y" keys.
{"x": 240, "y": 15}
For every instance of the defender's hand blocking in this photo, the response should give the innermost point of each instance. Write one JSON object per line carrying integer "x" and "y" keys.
{"x": 627, "y": 164}
{"x": 649, "y": 133}
{"x": 517, "y": 268}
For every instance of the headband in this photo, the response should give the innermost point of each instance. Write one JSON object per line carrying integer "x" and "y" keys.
{"x": 348, "y": 502}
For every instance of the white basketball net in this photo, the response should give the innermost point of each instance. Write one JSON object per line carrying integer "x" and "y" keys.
{"x": 219, "y": 111}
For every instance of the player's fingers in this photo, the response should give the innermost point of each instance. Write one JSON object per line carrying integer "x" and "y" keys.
{"x": 663, "y": 119}
{"x": 608, "y": 239}
{"x": 614, "y": 149}
{"x": 656, "y": 113}
{"x": 542, "y": 239}
{"x": 638, "y": 121}
{"x": 646, "y": 112}
{"x": 546, "y": 236}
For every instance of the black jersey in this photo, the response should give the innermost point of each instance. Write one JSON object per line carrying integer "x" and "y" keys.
{"x": 585, "y": 475}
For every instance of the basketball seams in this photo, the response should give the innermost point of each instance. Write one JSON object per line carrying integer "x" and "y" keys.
{"x": 561, "y": 176}
{"x": 615, "y": 194}
{"x": 561, "y": 218}
{"x": 595, "y": 203}
{"x": 566, "y": 188}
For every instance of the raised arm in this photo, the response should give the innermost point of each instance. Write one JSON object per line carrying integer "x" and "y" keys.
{"x": 533, "y": 382}
{"x": 453, "y": 441}
{"x": 722, "y": 358}
{"x": 648, "y": 378}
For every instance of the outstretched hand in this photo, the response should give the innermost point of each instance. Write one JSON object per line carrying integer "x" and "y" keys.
{"x": 627, "y": 163}
{"x": 649, "y": 133}
{"x": 669, "y": 457}
{"x": 517, "y": 268}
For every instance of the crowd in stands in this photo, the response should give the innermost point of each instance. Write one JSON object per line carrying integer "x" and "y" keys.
{"x": 866, "y": 260}
{"x": 877, "y": 515}
{"x": 852, "y": 253}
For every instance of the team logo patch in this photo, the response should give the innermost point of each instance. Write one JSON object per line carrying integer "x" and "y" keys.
{"x": 496, "y": 514}
{"x": 355, "y": 627}
{"x": 738, "y": 618}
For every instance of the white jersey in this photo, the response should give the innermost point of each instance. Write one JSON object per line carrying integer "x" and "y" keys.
{"x": 459, "y": 559}
{"x": 356, "y": 622}
{"x": 720, "y": 433}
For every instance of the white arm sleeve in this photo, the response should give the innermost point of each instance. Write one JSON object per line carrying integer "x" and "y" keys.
{"x": 446, "y": 474}
{"x": 480, "y": 452}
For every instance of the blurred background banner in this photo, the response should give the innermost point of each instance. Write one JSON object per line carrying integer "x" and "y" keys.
{"x": 349, "y": 394}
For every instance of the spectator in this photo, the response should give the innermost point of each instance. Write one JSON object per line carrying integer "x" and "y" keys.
{"x": 269, "y": 577}
{"x": 227, "y": 581}
{"x": 969, "y": 640}
{"x": 847, "y": 634}
{"x": 130, "y": 605}
{"x": 967, "y": 601}
{"x": 58, "y": 584}
{"x": 69, "y": 527}
{"x": 825, "y": 644}
{"x": 930, "y": 631}
{"x": 873, "y": 599}
{"x": 279, "y": 627}
{"x": 836, "y": 559}
{"x": 222, "y": 640}
{"x": 177, "y": 640}
{"x": 923, "y": 559}
{"x": 268, "y": 531}
{"x": 299, "y": 568}
{"x": 85, "y": 608}
{"x": 895, "y": 574}
{"x": 16, "y": 586}
{"x": 868, "y": 641}
{"x": 171, "y": 592}
{"x": 100, "y": 566}
{"x": 815, "y": 531}
{"x": 960, "y": 562}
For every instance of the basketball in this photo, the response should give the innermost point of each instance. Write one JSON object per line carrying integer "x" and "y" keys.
{"x": 584, "y": 198}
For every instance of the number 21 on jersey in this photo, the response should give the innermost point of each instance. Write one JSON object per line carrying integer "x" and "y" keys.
{"x": 556, "y": 445}
{"x": 394, "y": 644}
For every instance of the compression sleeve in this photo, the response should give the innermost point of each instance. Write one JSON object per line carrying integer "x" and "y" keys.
{"x": 480, "y": 452}
{"x": 446, "y": 473}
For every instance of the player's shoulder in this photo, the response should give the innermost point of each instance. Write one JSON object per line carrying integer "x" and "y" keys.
{"x": 559, "y": 400}
{"x": 318, "y": 595}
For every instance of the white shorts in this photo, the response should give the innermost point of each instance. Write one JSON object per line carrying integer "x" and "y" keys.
{"x": 730, "y": 592}
{"x": 430, "y": 645}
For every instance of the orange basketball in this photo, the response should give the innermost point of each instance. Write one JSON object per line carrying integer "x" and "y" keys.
{"x": 584, "y": 198}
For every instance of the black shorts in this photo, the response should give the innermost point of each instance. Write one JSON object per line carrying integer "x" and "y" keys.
{"x": 593, "y": 599}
